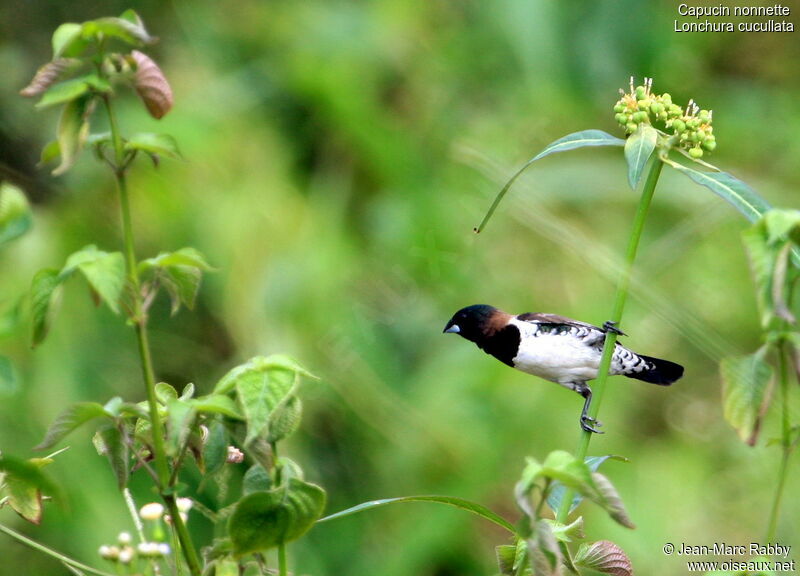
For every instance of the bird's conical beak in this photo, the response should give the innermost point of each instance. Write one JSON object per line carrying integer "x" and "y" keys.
{"x": 454, "y": 329}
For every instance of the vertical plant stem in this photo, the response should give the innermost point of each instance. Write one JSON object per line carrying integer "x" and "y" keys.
{"x": 139, "y": 319}
{"x": 786, "y": 442}
{"x": 598, "y": 388}
{"x": 137, "y": 522}
{"x": 283, "y": 569}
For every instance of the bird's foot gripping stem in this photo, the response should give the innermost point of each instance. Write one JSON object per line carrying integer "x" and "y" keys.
{"x": 611, "y": 326}
{"x": 588, "y": 423}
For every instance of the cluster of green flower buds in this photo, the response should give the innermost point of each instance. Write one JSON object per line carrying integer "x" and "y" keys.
{"x": 691, "y": 126}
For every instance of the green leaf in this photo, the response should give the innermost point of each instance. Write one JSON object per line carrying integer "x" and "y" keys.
{"x": 132, "y": 16}
{"x": 745, "y": 384}
{"x": 563, "y": 467}
{"x": 782, "y": 225}
{"x": 154, "y": 144}
{"x": 259, "y": 364}
{"x": 108, "y": 442}
{"x": 460, "y": 503}
{"x": 73, "y": 128}
{"x": 67, "y": 41}
{"x": 226, "y": 567}
{"x": 217, "y": 404}
{"x": 569, "y": 142}
{"x": 72, "y": 89}
{"x": 604, "y": 494}
{"x": 15, "y": 213}
{"x": 180, "y": 272}
{"x": 567, "y": 532}
{"x": 510, "y": 559}
{"x": 44, "y": 300}
{"x": 557, "y": 490}
{"x": 264, "y": 520}
{"x": 506, "y": 555}
{"x": 264, "y": 385}
{"x": 732, "y": 190}
{"x": 215, "y": 449}
{"x": 69, "y": 420}
{"x": 105, "y": 272}
{"x": 605, "y": 557}
{"x": 182, "y": 284}
{"x": 284, "y": 419}
{"x": 189, "y": 257}
{"x": 23, "y": 485}
{"x": 544, "y": 552}
{"x": 638, "y": 149}
{"x": 165, "y": 393}
{"x": 181, "y": 417}
{"x": 129, "y": 30}
{"x": 256, "y": 479}
{"x": 8, "y": 377}
{"x": 259, "y": 393}
{"x": 50, "y": 153}
{"x": 762, "y": 259}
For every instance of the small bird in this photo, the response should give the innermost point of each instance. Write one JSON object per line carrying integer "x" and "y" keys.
{"x": 556, "y": 348}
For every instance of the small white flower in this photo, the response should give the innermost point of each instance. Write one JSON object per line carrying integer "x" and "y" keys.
{"x": 148, "y": 548}
{"x": 184, "y": 504}
{"x": 164, "y": 549}
{"x": 107, "y": 552}
{"x": 151, "y": 511}
{"x": 126, "y": 555}
{"x": 124, "y": 538}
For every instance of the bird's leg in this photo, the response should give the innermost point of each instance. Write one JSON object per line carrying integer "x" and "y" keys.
{"x": 611, "y": 326}
{"x": 586, "y": 420}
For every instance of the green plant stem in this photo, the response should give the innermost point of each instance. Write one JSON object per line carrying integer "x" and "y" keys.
{"x": 786, "y": 443}
{"x": 598, "y": 388}
{"x": 139, "y": 319}
{"x": 283, "y": 569}
{"x": 50, "y": 552}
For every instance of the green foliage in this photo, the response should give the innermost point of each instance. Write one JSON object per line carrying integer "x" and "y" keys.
{"x": 71, "y": 419}
{"x": 547, "y": 550}
{"x": 265, "y": 520}
{"x": 729, "y": 188}
{"x": 80, "y": 94}
{"x": 583, "y": 139}
{"x": 104, "y": 271}
{"x": 15, "y": 215}
{"x": 179, "y": 273}
{"x": 770, "y": 244}
{"x": 745, "y": 392}
{"x": 558, "y": 489}
{"x": 73, "y": 130}
{"x": 22, "y": 485}
{"x": 460, "y": 503}
{"x": 639, "y": 148}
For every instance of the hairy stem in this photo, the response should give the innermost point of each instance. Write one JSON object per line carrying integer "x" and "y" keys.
{"x": 599, "y": 386}
{"x": 50, "y": 552}
{"x": 139, "y": 320}
{"x": 786, "y": 442}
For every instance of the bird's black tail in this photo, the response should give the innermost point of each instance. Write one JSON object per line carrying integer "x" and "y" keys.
{"x": 661, "y": 372}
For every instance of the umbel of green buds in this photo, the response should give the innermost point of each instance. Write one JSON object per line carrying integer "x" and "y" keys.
{"x": 689, "y": 128}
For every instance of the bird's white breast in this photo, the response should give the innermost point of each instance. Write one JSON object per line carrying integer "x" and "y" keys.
{"x": 559, "y": 357}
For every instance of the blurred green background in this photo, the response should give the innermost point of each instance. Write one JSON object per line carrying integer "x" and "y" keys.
{"x": 338, "y": 155}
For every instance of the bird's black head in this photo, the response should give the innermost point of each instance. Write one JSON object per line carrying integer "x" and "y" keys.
{"x": 472, "y": 322}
